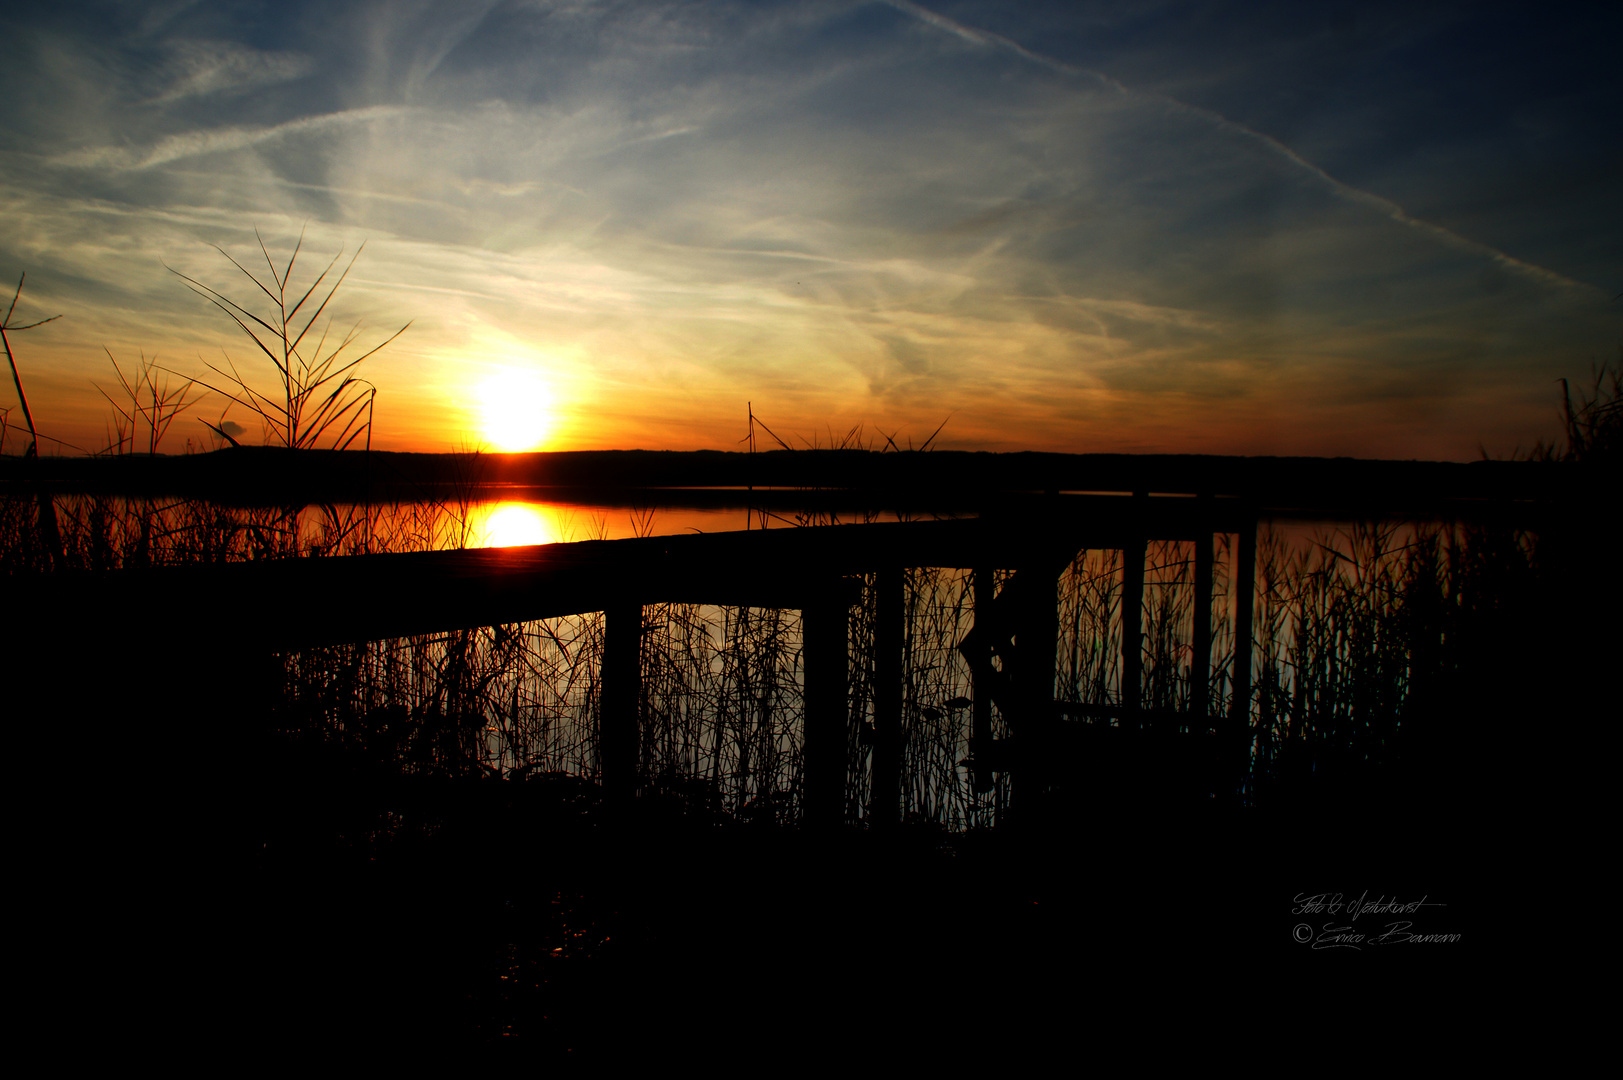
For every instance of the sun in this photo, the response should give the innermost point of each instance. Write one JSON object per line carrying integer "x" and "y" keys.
{"x": 517, "y": 410}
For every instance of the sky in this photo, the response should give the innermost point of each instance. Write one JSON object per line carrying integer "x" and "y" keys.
{"x": 1378, "y": 230}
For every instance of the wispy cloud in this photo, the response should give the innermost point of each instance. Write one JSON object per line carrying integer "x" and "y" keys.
{"x": 842, "y": 212}
{"x": 208, "y": 67}
{"x": 214, "y": 140}
{"x": 1385, "y": 206}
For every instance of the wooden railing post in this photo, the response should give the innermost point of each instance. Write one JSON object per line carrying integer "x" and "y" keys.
{"x": 1200, "y": 662}
{"x": 890, "y": 634}
{"x": 980, "y": 674}
{"x": 619, "y": 736}
{"x": 1132, "y": 617}
{"x": 1036, "y": 652}
{"x": 1245, "y": 591}
{"x": 824, "y": 644}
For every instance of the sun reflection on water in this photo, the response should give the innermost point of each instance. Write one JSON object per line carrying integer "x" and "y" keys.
{"x": 512, "y": 524}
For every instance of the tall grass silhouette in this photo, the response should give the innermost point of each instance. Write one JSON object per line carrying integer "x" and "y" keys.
{"x": 320, "y": 398}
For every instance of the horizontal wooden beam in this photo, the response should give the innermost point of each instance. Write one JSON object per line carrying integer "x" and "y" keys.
{"x": 299, "y": 603}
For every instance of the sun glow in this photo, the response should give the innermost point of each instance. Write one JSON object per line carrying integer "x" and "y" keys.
{"x": 517, "y": 411}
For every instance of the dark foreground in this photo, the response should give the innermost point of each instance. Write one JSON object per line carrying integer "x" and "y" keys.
{"x": 546, "y": 925}
{"x": 240, "y": 916}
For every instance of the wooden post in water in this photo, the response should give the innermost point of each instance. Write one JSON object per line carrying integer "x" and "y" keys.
{"x": 1245, "y": 591}
{"x": 980, "y": 674}
{"x": 889, "y": 642}
{"x": 619, "y": 740}
{"x": 1132, "y": 617}
{"x": 1200, "y": 663}
{"x": 824, "y": 629}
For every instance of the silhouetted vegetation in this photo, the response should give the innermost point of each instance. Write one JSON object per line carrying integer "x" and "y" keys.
{"x": 1363, "y": 639}
{"x": 446, "y": 784}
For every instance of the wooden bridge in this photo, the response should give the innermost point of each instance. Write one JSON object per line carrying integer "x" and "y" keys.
{"x": 294, "y": 604}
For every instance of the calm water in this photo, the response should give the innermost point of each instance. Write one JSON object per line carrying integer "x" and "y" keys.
{"x": 521, "y": 518}
{"x": 529, "y": 517}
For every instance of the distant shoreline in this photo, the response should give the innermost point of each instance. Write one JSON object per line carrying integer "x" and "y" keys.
{"x": 251, "y": 474}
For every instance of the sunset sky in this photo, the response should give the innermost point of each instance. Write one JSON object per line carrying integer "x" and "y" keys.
{"x": 1377, "y": 230}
